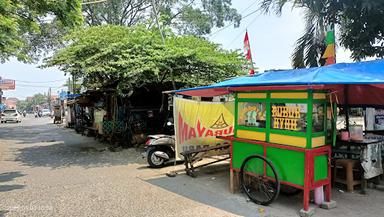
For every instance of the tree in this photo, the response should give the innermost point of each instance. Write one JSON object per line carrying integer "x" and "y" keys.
{"x": 363, "y": 36}
{"x": 21, "y": 22}
{"x": 184, "y": 16}
{"x": 29, "y": 104}
{"x": 129, "y": 57}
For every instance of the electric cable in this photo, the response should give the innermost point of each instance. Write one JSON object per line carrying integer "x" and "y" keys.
{"x": 249, "y": 14}
{"x": 238, "y": 35}
{"x": 40, "y": 82}
{"x": 25, "y": 85}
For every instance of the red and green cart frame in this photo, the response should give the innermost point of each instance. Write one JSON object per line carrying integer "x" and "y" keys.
{"x": 290, "y": 128}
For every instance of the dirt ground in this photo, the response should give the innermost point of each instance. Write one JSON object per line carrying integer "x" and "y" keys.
{"x": 47, "y": 170}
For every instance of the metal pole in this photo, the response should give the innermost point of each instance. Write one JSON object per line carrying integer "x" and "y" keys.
{"x": 157, "y": 21}
{"x": 163, "y": 40}
{"x": 346, "y": 106}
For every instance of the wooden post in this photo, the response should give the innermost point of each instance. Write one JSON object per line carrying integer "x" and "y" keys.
{"x": 234, "y": 183}
{"x": 307, "y": 180}
{"x": 328, "y": 187}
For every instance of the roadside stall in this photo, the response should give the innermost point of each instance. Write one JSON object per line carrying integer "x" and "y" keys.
{"x": 285, "y": 126}
{"x": 70, "y": 109}
{"x": 57, "y": 114}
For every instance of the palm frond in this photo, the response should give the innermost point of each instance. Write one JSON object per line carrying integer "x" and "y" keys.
{"x": 309, "y": 46}
{"x": 273, "y": 5}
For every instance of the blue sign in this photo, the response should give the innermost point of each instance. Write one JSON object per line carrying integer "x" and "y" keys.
{"x": 64, "y": 95}
{"x": 2, "y": 107}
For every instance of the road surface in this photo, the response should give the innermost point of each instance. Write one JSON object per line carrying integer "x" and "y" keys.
{"x": 48, "y": 170}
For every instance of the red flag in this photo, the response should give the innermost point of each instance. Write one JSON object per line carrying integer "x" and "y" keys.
{"x": 248, "y": 55}
{"x": 247, "y": 47}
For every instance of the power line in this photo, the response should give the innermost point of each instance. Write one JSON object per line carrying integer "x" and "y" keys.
{"x": 230, "y": 24}
{"x": 94, "y": 2}
{"x": 40, "y": 82}
{"x": 249, "y": 6}
{"x": 237, "y": 36}
{"x": 26, "y": 85}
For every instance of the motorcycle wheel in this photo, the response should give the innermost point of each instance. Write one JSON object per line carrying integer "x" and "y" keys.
{"x": 153, "y": 160}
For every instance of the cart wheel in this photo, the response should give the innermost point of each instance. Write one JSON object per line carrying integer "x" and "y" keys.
{"x": 261, "y": 188}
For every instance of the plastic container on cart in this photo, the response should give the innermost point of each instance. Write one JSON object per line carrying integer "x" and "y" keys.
{"x": 319, "y": 195}
{"x": 344, "y": 135}
{"x": 356, "y": 132}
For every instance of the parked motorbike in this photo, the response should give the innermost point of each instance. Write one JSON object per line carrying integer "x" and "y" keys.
{"x": 160, "y": 149}
{"x": 82, "y": 122}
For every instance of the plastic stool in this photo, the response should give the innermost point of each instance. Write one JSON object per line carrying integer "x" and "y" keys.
{"x": 349, "y": 166}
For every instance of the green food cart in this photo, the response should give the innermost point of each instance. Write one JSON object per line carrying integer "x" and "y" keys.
{"x": 285, "y": 124}
{"x": 281, "y": 138}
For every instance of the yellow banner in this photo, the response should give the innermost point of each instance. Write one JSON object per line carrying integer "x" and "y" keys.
{"x": 198, "y": 123}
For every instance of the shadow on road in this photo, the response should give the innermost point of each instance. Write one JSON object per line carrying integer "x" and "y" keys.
{"x": 7, "y": 177}
{"x": 211, "y": 187}
{"x": 29, "y": 134}
{"x": 4, "y": 188}
{"x": 3, "y": 212}
{"x": 64, "y": 154}
{"x": 49, "y": 145}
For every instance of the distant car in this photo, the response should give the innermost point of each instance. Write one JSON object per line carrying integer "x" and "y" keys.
{"x": 45, "y": 112}
{"x": 10, "y": 115}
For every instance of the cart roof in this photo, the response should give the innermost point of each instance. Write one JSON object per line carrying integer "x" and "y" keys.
{"x": 358, "y": 75}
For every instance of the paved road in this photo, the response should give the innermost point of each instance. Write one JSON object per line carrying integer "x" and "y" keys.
{"x": 47, "y": 170}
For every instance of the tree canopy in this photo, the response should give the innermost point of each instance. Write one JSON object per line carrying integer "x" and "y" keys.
{"x": 184, "y": 16}
{"x": 29, "y": 104}
{"x": 361, "y": 29}
{"x": 34, "y": 28}
{"x": 22, "y": 22}
{"x": 128, "y": 57}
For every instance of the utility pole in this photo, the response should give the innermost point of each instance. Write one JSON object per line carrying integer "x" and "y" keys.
{"x": 163, "y": 40}
{"x": 1, "y": 95}
{"x": 49, "y": 98}
{"x": 73, "y": 84}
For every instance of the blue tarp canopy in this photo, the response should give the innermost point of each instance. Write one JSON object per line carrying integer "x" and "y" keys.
{"x": 363, "y": 79}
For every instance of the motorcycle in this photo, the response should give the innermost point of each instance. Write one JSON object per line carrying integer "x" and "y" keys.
{"x": 82, "y": 122}
{"x": 160, "y": 149}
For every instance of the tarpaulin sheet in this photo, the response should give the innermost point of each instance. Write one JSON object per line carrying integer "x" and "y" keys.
{"x": 198, "y": 123}
{"x": 362, "y": 81}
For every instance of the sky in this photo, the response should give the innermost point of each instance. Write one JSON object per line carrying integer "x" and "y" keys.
{"x": 272, "y": 40}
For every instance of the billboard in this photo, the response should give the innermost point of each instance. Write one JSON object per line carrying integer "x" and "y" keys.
{"x": 198, "y": 123}
{"x": 7, "y": 84}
